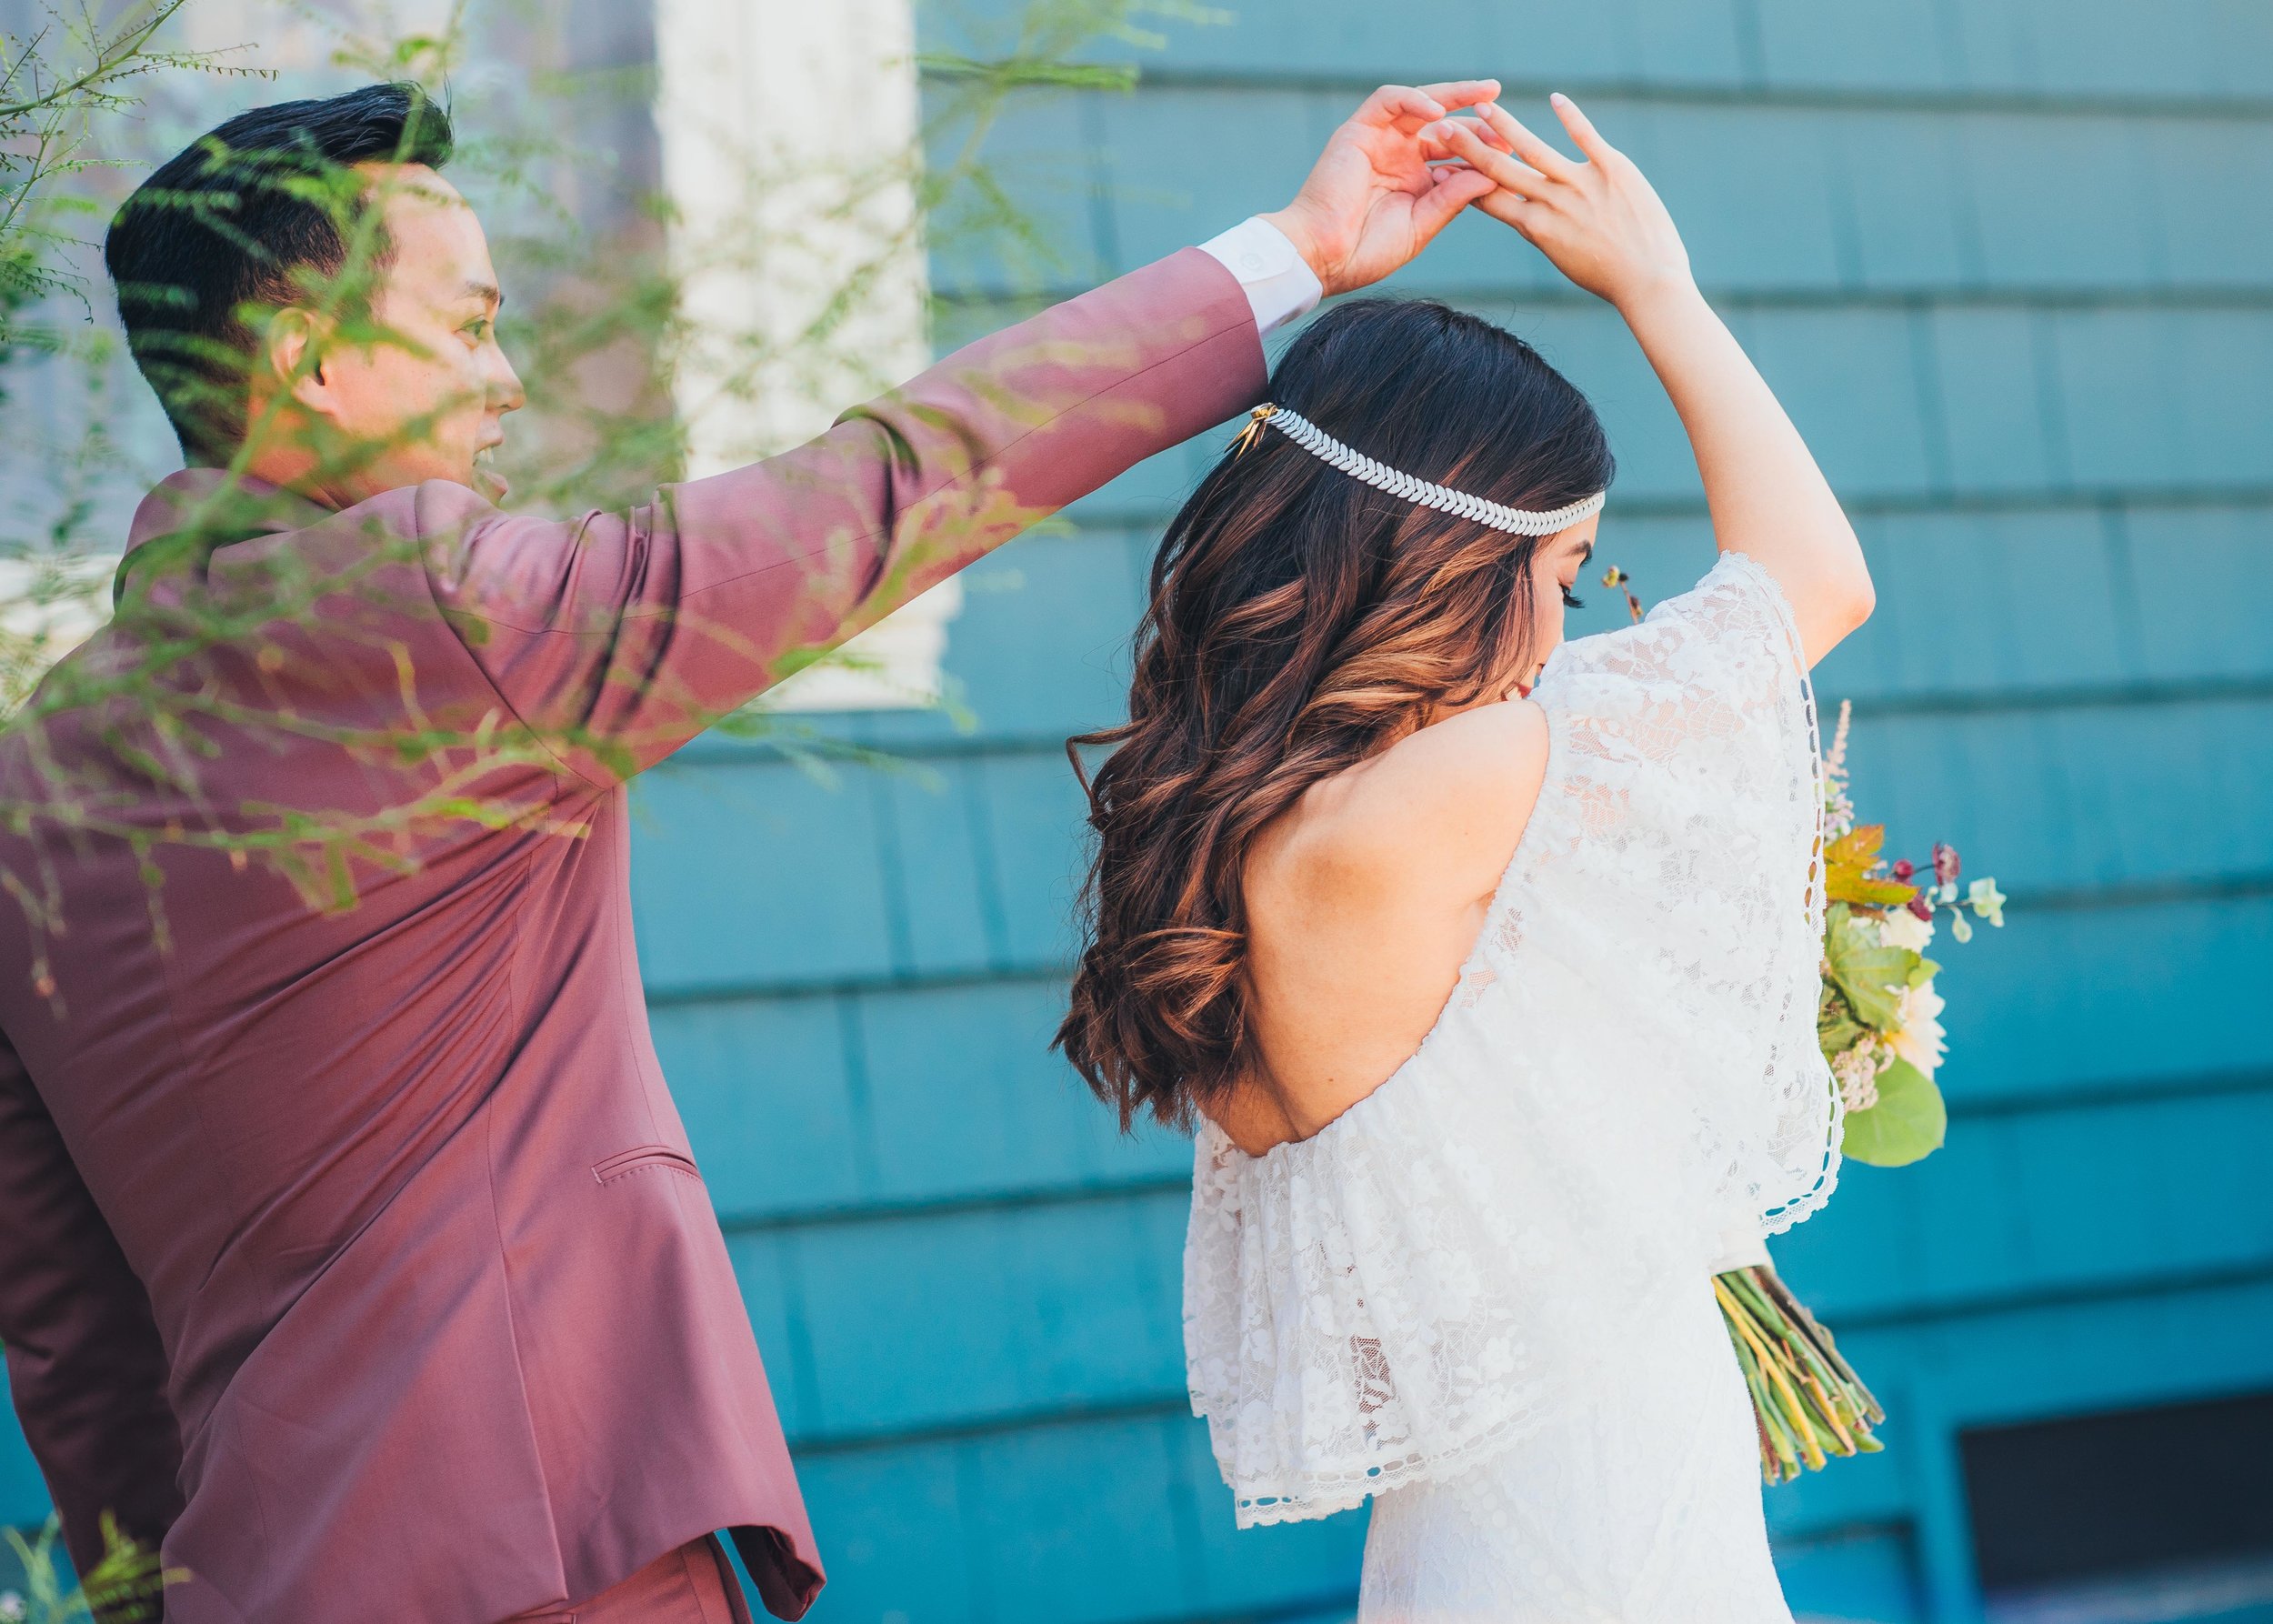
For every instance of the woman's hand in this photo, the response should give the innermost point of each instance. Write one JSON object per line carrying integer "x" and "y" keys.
{"x": 1599, "y": 221}
{"x": 1605, "y": 229}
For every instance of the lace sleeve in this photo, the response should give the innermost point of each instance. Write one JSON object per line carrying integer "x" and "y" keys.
{"x": 1684, "y": 803}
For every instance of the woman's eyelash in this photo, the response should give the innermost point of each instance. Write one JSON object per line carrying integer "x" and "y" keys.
{"x": 1571, "y": 600}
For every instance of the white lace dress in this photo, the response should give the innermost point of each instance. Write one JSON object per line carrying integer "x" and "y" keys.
{"x": 1483, "y": 1293}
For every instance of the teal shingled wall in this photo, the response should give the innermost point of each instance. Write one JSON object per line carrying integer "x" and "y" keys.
{"x": 2010, "y": 264}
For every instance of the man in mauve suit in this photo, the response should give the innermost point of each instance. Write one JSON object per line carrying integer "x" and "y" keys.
{"x": 351, "y": 1249}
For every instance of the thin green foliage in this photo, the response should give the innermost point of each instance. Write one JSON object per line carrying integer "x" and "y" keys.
{"x": 58, "y": 81}
{"x": 127, "y": 1586}
{"x": 619, "y": 363}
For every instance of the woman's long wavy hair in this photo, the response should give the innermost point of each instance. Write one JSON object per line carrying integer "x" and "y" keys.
{"x": 1299, "y": 622}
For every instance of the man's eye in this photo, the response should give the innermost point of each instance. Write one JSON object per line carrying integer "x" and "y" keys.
{"x": 1571, "y": 600}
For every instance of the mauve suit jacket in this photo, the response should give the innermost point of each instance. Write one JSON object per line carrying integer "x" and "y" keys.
{"x": 350, "y": 1243}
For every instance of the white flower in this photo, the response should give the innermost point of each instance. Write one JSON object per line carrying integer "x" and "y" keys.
{"x": 11, "y": 1607}
{"x": 1920, "y": 1039}
{"x": 1900, "y": 928}
{"x": 1986, "y": 901}
{"x": 1856, "y": 1071}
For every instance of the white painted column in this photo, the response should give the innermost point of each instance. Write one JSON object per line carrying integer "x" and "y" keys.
{"x": 789, "y": 132}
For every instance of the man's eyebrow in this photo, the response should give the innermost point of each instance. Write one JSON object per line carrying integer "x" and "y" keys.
{"x": 487, "y": 292}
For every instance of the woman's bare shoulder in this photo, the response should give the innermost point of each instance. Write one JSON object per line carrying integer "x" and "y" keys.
{"x": 1448, "y": 803}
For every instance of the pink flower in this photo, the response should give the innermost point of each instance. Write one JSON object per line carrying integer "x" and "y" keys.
{"x": 1904, "y": 868}
{"x": 1920, "y": 907}
{"x": 1944, "y": 862}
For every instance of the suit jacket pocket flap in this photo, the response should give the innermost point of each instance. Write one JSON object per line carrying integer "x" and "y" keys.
{"x": 644, "y": 1156}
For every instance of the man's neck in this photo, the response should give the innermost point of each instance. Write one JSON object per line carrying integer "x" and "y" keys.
{"x": 297, "y": 472}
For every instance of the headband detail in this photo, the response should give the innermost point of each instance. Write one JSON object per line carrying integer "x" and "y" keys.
{"x": 1514, "y": 521}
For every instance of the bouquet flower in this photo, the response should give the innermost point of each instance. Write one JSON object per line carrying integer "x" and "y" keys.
{"x": 1878, "y": 1023}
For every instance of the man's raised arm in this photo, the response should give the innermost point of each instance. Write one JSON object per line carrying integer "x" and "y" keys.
{"x": 621, "y": 636}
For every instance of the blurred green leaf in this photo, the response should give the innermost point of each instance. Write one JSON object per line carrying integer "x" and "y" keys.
{"x": 1906, "y": 1125}
{"x": 1871, "y": 977}
{"x": 1837, "y": 1029}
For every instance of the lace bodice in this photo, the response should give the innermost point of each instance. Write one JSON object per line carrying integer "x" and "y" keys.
{"x": 1624, "y": 1074}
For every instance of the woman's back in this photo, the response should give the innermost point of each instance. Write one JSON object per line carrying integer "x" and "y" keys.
{"x": 1364, "y": 900}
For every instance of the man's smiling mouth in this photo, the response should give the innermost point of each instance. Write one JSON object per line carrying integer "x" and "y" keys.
{"x": 487, "y": 479}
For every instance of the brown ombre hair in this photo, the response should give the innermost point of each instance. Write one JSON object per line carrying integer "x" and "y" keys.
{"x": 1299, "y": 622}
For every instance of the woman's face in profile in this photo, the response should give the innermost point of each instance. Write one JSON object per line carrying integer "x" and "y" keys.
{"x": 1555, "y": 571}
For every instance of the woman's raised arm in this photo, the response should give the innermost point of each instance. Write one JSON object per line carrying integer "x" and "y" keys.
{"x": 1602, "y": 224}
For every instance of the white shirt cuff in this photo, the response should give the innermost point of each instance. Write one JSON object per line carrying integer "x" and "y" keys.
{"x": 1280, "y": 284}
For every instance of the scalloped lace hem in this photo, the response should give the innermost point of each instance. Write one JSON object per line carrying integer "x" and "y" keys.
{"x": 1326, "y": 1493}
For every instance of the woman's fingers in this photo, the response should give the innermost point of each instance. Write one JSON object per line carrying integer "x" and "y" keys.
{"x": 1526, "y": 146}
{"x": 1438, "y": 139}
{"x": 1510, "y": 209}
{"x": 1475, "y": 127}
{"x": 1460, "y": 139}
{"x": 1488, "y": 132}
{"x": 1501, "y": 123}
{"x": 1581, "y": 128}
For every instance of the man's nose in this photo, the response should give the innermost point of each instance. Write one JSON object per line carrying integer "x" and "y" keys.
{"x": 506, "y": 394}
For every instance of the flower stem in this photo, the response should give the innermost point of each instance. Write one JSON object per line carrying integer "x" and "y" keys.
{"x": 1808, "y": 1403}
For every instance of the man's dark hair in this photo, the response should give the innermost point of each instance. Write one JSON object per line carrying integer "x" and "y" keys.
{"x": 239, "y": 219}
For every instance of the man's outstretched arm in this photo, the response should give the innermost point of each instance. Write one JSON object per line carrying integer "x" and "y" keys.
{"x": 624, "y": 635}
{"x": 86, "y": 1370}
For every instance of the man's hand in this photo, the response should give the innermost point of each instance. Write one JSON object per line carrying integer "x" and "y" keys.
{"x": 1373, "y": 201}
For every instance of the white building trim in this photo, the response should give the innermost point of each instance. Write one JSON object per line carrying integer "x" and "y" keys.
{"x": 789, "y": 146}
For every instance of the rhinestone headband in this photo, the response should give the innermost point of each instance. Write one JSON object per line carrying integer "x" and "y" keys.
{"x": 1514, "y": 521}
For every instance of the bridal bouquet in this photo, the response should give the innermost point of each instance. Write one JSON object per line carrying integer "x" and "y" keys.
{"x": 1878, "y": 1020}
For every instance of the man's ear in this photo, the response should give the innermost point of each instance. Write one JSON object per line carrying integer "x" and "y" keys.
{"x": 296, "y": 354}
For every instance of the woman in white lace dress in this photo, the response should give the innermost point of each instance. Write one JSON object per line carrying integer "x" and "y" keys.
{"x": 1487, "y": 963}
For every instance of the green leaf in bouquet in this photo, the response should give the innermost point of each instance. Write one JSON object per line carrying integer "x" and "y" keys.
{"x": 1837, "y": 1029}
{"x": 1905, "y": 1124}
{"x": 1926, "y": 970}
{"x": 1870, "y": 976}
